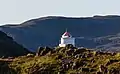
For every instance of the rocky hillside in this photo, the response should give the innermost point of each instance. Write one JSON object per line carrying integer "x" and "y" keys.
{"x": 108, "y": 43}
{"x": 68, "y": 60}
{"x": 9, "y": 48}
{"x": 46, "y": 31}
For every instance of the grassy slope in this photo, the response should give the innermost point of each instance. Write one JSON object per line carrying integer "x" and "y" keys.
{"x": 51, "y": 62}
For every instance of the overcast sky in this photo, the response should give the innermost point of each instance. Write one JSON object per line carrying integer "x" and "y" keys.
{"x": 18, "y": 11}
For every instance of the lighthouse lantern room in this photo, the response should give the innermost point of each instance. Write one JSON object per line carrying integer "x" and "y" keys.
{"x": 67, "y": 39}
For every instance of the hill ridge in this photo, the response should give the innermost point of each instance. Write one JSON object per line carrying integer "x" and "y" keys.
{"x": 35, "y": 32}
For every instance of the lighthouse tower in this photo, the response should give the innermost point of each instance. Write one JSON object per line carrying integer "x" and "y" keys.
{"x": 67, "y": 39}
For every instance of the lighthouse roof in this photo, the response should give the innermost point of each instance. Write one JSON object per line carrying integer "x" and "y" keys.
{"x": 66, "y": 35}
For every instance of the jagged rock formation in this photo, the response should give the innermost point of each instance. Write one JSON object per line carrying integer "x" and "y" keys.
{"x": 66, "y": 60}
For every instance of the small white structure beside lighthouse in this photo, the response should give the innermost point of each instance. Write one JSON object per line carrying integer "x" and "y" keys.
{"x": 67, "y": 39}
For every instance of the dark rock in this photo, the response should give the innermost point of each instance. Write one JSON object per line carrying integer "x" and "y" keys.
{"x": 103, "y": 69}
{"x": 69, "y": 46}
{"x": 85, "y": 69}
{"x": 111, "y": 61}
{"x": 99, "y": 72}
{"x": 39, "y": 51}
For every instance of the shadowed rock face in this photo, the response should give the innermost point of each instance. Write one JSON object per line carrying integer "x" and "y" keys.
{"x": 46, "y": 31}
{"x": 8, "y": 47}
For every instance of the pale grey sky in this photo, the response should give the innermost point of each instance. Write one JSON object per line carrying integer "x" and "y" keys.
{"x": 18, "y": 11}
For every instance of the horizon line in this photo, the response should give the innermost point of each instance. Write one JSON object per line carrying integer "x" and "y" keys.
{"x": 102, "y": 15}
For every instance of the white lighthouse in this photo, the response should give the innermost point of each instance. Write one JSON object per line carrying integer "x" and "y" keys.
{"x": 67, "y": 39}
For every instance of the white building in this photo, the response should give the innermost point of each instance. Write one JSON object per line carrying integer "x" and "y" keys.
{"x": 67, "y": 39}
